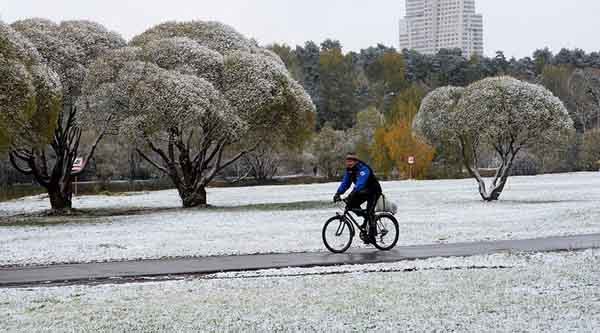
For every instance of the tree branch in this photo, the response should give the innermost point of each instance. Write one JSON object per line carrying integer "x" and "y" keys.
{"x": 473, "y": 170}
{"x": 219, "y": 167}
{"x": 17, "y": 167}
{"x": 151, "y": 161}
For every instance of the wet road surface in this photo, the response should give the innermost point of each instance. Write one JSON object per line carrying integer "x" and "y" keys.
{"x": 89, "y": 272}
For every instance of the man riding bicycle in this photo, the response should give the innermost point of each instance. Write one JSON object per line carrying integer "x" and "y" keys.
{"x": 366, "y": 188}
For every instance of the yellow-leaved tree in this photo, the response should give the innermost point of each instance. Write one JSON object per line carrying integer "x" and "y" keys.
{"x": 395, "y": 142}
{"x": 401, "y": 143}
{"x": 379, "y": 153}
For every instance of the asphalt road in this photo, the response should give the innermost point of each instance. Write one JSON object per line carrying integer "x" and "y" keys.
{"x": 85, "y": 273}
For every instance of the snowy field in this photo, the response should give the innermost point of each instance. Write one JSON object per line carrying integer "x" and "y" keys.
{"x": 430, "y": 212}
{"x": 499, "y": 293}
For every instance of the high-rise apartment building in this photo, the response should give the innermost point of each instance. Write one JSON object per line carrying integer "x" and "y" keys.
{"x": 431, "y": 25}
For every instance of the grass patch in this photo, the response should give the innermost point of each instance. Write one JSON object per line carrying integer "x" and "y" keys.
{"x": 300, "y": 205}
{"x": 115, "y": 187}
{"x": 104, "y": 215}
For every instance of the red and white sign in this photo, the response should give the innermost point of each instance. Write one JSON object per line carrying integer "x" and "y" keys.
{"x": 411, "y": 160}
{"x": 78, "y": 165}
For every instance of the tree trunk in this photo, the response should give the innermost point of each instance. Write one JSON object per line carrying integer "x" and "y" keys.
{"x": 191, "y": 198}
{"x": 497, "y": 186}
{"x": 60, "y": 200}
{"x": 190, "y": 171}
{"x": 56, "y": 175}
{"x": 500, "y": 179}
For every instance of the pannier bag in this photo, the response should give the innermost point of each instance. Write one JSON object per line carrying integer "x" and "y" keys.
{"x": 385, "y": 206}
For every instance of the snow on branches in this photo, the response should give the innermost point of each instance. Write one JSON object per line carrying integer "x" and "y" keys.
{"x": 160, "y": 102}
{"x": 186, "y": 56}
{"x": 213, "y": 35}
{"x": 264, "y": 95}
{"x": 434, "y": 122}
{"x": 513, "y": 111}
{"x": 68, "y": 48}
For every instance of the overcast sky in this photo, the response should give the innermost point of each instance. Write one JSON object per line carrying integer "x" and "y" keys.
{"x": 517, "y": 27}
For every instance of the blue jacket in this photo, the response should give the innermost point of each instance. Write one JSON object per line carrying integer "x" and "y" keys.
{"x": 363, "y": 178}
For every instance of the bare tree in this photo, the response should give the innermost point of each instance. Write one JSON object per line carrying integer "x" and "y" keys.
{"x": 584, "y": 86}
{"x": 502, "y": 115}
{"x": 263, "y": 162}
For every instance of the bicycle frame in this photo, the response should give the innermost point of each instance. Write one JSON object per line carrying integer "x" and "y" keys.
{"x": 347, "y": 216}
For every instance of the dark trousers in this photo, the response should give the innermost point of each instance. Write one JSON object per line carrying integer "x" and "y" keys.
{"x": 358, "y": 198}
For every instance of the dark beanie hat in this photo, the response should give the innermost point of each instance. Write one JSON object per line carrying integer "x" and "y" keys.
{"x": 352, "y": 156}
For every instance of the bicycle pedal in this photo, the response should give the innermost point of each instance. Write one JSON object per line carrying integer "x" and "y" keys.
{"x": 363, "y": 237}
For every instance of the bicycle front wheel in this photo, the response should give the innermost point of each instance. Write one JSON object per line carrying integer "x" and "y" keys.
{"x": 387, "y": 232}
{"x": 337, "y": 234}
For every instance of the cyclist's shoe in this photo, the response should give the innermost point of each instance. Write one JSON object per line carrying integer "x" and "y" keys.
{"x": 372, "y": 235}
{"x": 364, "y": 237}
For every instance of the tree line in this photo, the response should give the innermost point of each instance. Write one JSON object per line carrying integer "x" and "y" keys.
{"x": 363, "y": 101}
{"x": 367, "y": 100}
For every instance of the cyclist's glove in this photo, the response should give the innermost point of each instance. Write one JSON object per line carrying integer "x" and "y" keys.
{"x": 337, "y": 197}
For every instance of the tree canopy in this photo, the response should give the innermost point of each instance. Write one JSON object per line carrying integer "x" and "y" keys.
{"x": 30, "y": 93}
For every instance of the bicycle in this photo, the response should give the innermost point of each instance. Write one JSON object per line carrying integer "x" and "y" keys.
{"x": 339, "y": 231}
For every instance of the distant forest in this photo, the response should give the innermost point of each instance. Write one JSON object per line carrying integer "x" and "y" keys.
{"x": 342, "y": 85}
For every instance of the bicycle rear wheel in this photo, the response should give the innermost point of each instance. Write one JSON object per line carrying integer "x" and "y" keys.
{"x": 337, "y": 234}
{"x": 387, "y": 232}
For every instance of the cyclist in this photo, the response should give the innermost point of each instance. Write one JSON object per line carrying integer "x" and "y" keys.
{"x": 366, "y": 188}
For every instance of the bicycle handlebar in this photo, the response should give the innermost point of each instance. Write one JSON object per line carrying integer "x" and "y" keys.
{"x": 341, "y": 204}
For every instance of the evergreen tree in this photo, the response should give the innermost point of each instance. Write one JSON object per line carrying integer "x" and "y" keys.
{"x": 337, "y": 87}
{"x": 310, "y": 72}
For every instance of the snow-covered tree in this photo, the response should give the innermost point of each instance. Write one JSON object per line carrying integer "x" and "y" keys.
{"x": 501, "y": 114}
{"x": 66, "y": 49}
{"x": 195, "y": 97}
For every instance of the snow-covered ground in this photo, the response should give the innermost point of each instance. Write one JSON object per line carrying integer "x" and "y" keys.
{"x": 500, "y": 293}
{"x": 430, "y": 211}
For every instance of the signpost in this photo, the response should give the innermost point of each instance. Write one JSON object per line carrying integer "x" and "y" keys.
{"x": 78, "y": 165}
{"x": 411, "y": 162}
